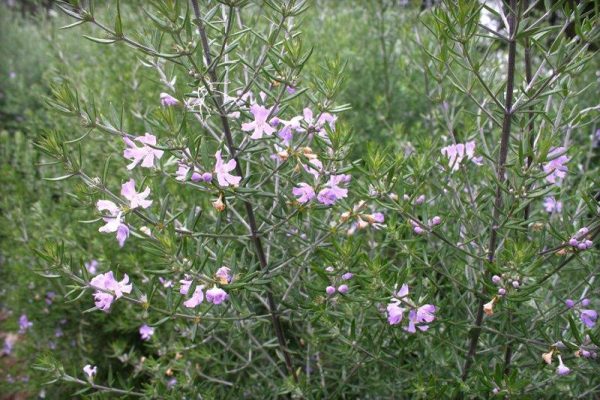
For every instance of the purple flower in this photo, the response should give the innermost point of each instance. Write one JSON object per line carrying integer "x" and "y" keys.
{"x": 304, "y": 192}
{"x": 224, "y": 275}
{"x": 167, "y": 100}
{"x": 50, "y": 297}
{"x": 216, "y": 295}
{"x": 109, "y": 288}
{"x": 378, "y": 218}
{"x": 585, "y": 302}
{"x": 562, "y": 369}
{"x": 114, "y": 220}
{"x": 260, "y": 125}
{"x": 92, "y": 266}
{"x": 24, "y": 324}
{"x": 196, "y": 299}
{"x": 166, "y": 283}
{"x": 146, "y": 332}
{"x": 420, "y": 317}
{"x": 144, "y": 154}
{"x": 589, "y": 317}
{"x": 90, "y": 371}
{"x": 171, "y": 383}
{"x": 496, "y": 279}
{"x": 183, "y": 170}
{"x": 333, "y": 191}
{"x": 501, "y": 292}
{"x": 395, "y": 312}
{"x": 343, "y": 289}
{"x": 290, "y": 89}
{"x": 135, "y": 199}
{"x": 222, "y": 170}
{"x": 555, "y": 168}
{"x": 552, "y": 205}
{"x": 435, "y": 221}
{"x": 185, "y": 286}
{"x": 347, "y": 276}
{"x": 420, "y": 200}
{"x": 330, "y": 290}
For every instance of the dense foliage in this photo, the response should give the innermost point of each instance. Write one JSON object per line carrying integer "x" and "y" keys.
{"x": 313, "y": 199}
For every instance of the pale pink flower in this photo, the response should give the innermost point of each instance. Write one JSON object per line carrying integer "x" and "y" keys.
{"x": 114, "y": 221}
{"x": 90, "y": 371}
{"x": 185, "y": 286}
{"x": 196, "y": 299}
{"x": 459, "y": 151}
{"x": 552, "y": 205}
{"x": 167, "y": 100}
{"x": 144, "y": 154}
{"x": 222, "y": 170}
{"x": 260, "y": 125}
{"x": 135, "y": 199}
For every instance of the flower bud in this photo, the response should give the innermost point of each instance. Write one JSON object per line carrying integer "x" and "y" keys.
{"x": 420, "y": 200}
{"x": 406, "y": 197}
{"x": 218, "y": 204}
{"x": 496, "y": 279}
{"x": 547, "y": 357}
{"x": 418, "y": 230}
{"x": 343, "y": 289}
{"x": 585, "y": 302}
{"x": 347, "y": 276}
{"x": 393, "y": 196}
{"x": 516, "y": 284}
{"x": 330, "y": 290}
{"x": 569, "y": 303}
{"x": 488, "y": 308}
{"x": 345, "y": 216}
{"x": 501, "y": 291}
{"x": 283, "y": 155}
{"x": 146, "y": 231}
{"x": 207, "y": 177}
{"x": 562, "y": 368}
{"x": 436, "y": 221}
{"x": 362, "y": 224}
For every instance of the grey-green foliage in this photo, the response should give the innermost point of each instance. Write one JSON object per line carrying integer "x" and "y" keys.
{"x": 341, "y": 347}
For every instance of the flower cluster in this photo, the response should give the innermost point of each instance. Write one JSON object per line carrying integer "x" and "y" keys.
{"x": 551, "y": 205}
{"x": 115, "y": 217}
{"x": 331, "y": 193}
{"x": 419, "y": 317}
{"x": 418, "y": 227}
{"x": 108, "y": 288}
{"x": 579, "y": 240}
{"x": 342, "y": 288}
{"x": 456, "y": 153}
{"x": 214, "y": 295}
{"x": 555, "y": 168}
{"x": 587, "y": 316}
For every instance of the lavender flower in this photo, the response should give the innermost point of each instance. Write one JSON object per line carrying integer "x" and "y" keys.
{"x": 196, "y": 299}
{"x": 92, "y": 266}
{"x": 304, "y": 192}
{"x": 588, "y": 317}
{"x": 24, "y": 324}
{"x": 330, "y": 290}
{"x": 167, "y": 100}
{"x": 552, "y": 205}
{"x": 146, "y": 332}
{"x": 109, "y": 289}
{"x": 222, "y": 170}
{"x": 145, "y": 154}
{"x": 216, "y": 295}
{"x": 260, "y": 125}
{"x": 555, "y": 168}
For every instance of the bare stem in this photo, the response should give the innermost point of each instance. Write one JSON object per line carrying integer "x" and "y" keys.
{"x": 500, "y": 176}
{"x": 249, "y": 211}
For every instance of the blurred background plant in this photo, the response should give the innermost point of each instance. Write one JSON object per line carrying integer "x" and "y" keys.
{"x": 413, "y": 89}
